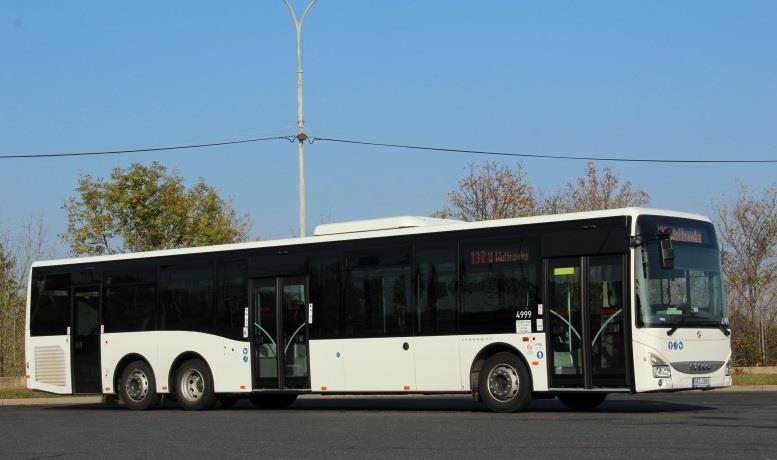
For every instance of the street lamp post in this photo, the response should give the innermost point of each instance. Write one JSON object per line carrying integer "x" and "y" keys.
{"x": 301, "y": 136}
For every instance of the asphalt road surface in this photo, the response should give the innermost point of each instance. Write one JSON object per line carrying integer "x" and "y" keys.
{"x": 665, "y": 426}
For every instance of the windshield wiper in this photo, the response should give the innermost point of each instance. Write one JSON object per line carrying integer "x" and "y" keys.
{"x": 674, "y": 328}
{"x": 683, "y": 317}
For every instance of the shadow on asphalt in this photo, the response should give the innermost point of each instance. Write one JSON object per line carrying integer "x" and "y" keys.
{"x": 431, "y": 404}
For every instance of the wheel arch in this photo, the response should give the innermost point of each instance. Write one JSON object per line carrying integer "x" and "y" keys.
{"x": 483, "y": 355}
{"x": 123, "y": 363}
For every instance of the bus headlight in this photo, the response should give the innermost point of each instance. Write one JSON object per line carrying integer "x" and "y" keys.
{"x": 661, "y": 369}
{"x": 728, "y": 368}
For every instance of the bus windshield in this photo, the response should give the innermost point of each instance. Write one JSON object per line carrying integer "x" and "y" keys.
{"x": 690, "y": 294}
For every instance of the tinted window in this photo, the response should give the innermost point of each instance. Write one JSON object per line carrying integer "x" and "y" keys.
{"x": 50, "y": 307}
{"x": 499, "y": 278}
{"x": 130, "y": 298}
{"x": 378, "y": 294}
{"x": 231, "y": 302}
{"x": 187, "y": 297}
{"x": 130, "y": 308}
{"x": 325, "y": 295}
{"x": 437, "y": 291}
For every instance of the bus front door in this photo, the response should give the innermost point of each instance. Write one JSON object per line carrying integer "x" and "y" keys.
{"x": 85, "y": 339}
{"x": 586, "y": 317}
{"x": 280, "y": 333}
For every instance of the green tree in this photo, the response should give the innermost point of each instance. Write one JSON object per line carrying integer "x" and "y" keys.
{"x": 144, "y": 208}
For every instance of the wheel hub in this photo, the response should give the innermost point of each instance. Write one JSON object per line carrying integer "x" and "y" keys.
{"x": 137, "y": 385}
{"x": 503, "y": 382}
{"x": 192, "y": 385}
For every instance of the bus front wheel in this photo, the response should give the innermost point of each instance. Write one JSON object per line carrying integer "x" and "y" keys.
{"x": 137, "y": 389}
{"x": 504, "y": 383}
{"x": 194, "y": 385}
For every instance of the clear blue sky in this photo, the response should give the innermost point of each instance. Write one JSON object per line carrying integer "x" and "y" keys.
{"x": 692, "y": 79}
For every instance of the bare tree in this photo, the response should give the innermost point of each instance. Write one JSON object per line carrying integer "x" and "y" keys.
{"x": 8, "y": 306}
{"x": 594, "y": 191}
{"x": 748, "y": 235}
{"x": 490, "y": 191}
{"x": 18, "y": 249}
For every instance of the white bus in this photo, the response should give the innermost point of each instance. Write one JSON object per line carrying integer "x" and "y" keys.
{"x": 573, "y": 306}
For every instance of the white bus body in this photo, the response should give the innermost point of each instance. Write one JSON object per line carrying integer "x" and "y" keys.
{"x": 579, "y": 333}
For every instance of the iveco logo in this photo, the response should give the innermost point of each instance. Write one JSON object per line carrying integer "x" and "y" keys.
{"x": 701, "y": 367}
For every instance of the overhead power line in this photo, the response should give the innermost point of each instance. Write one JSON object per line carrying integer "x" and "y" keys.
{"x": 149, "y": 149}
{"x": 533, "y": 155}
{"x": 292, "y": 138}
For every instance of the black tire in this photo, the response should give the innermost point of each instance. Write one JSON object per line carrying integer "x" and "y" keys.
{"x": 504, "y": 383}
{"x": 582, "y": 401}
{"x": 137, "y": 386}
{"x": 194, "y": 385}
{"x": 273, "y": 401}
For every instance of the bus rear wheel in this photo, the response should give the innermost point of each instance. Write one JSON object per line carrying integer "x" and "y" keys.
{"x": 137, "y": 387}
{"x": 273, "y": 401}
{"x": 582, "y": 401}
{"x": 194, "y": 385}
{"x": 504, "y": 383}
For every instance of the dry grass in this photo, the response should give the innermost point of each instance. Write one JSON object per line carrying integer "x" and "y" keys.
{"x": 755, "y": 379}
{"x": 23, "y": 393}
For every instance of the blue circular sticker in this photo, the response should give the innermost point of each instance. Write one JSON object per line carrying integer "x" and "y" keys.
{"x": 540, "y": 354}
{"x": 675, "y": 344}
{"x": 245, "y": 351}
{"x": 245, "y": 359}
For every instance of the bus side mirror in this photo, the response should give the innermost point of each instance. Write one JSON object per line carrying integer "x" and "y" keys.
{"x": 666, "y": 255}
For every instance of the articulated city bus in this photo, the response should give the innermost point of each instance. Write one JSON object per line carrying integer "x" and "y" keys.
{"x": 574, "y": 306}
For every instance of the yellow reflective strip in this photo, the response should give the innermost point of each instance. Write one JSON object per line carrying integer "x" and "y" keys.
{"x": 560, "y": 271}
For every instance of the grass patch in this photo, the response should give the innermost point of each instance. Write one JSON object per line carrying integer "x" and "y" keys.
{"x": 755, "y": 379}
{"x": 23, "y": 393}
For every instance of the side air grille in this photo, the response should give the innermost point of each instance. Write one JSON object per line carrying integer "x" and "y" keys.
{"x": 50, "y": 365}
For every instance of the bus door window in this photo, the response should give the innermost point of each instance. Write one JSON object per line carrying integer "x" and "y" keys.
{"x": 605, "y": 297}
{"x": 565, "y": 309}
{"x": 265, "y": 330}
{"x": 295, "y": 346}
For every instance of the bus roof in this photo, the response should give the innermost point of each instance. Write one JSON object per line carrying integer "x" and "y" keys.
{"x": 397, "y": 226}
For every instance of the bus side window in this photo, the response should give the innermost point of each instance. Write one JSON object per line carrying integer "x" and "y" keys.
{"x": 231, "y": 299}
{"x": 378, "y": 294}
{"x": 130, "y": 308}
{"x": 187, "y": 297}
{"x": 325, "y": 295}
{"x": 499, "y": 278}
{"x": 50, "y": 309}
{"x": 437, "y": 291}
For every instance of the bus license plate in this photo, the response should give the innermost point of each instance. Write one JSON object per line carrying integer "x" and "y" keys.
{"x": 701, "y": 382}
